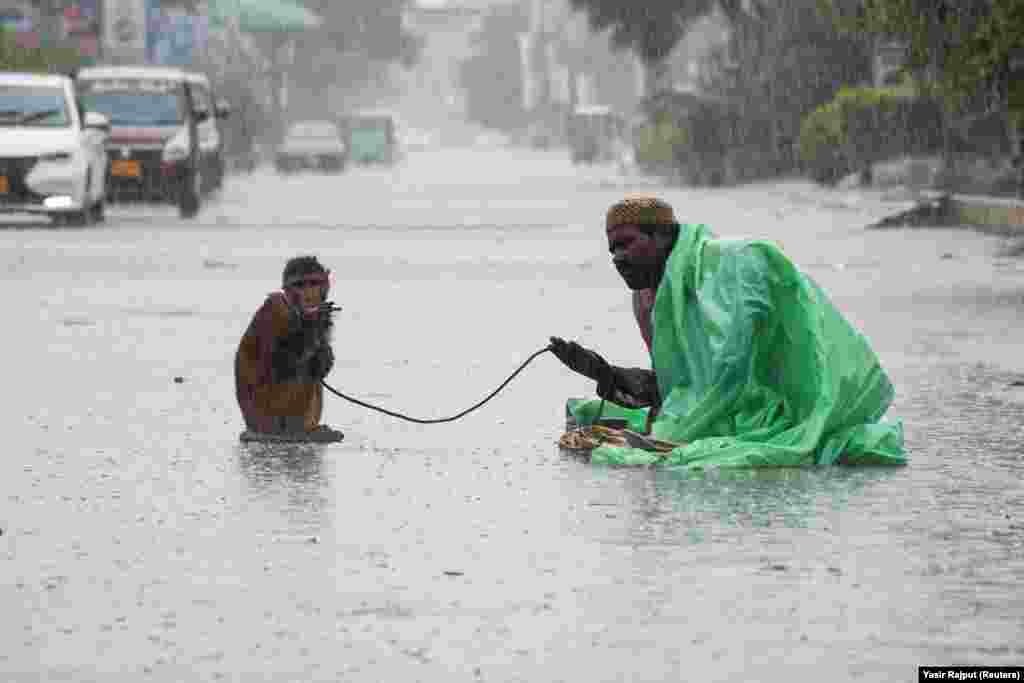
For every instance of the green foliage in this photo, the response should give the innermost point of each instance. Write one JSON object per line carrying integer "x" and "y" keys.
{"x": 962, "y": 47}
{"x": 861, "y": 126}
{"x": 35, "y": 60}
{"x": 822, "y": 141}
{"x": 657, "y": 143}
{"x": 691, "y": 135}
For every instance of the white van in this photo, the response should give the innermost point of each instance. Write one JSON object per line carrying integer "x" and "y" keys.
{"x": 165, "y": 143}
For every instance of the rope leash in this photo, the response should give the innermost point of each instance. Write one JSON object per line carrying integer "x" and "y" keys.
{"x": 465, "y": 412}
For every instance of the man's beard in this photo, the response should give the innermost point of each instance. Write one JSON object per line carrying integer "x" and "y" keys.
{"x": 638, "y": 277}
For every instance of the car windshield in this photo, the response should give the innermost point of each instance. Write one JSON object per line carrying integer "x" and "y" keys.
{"x": 35, "y": 106}
{"x": 135, "y": 104}
{"x": 314, "y": 129}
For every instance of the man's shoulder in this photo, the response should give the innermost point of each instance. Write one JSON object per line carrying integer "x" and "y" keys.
{"x": 756, "y": 247}
{"x": 750, "y": 257}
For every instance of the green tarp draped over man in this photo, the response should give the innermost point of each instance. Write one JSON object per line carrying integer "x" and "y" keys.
{"x": 753, "y": 366}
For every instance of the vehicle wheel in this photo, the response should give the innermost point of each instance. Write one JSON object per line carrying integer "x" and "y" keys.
{"x": 329, "y": 164}
{"x": 218, "y": 178}
{"x": 98, "y": 211}
{"x": 191, "y": 194}
{"x": 77, "y": 219}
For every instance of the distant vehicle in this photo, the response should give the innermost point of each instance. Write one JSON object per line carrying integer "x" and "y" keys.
{"x": 315, "y": 145}
{"x": 372, "y": 138}
{"x": 165, "y": 143}
{"x": 417, "y": 138}
{"x": 492, "y": 138}
{"x": 595, "y": 134}
{"x": 53, "y": 155}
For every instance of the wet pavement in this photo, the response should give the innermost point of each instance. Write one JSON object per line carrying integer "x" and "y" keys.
{"x": 142, "y": 541}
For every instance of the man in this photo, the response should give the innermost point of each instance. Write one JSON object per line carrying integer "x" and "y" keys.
{"x": 752, "y": 364}
{"x": 284, "y": 354}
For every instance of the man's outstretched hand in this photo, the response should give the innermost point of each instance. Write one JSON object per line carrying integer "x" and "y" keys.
{"x": 631, "y": 387}
{"x": 584, "y": 361}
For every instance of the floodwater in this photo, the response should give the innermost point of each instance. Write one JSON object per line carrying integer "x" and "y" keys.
{"x": 142, "y": 541}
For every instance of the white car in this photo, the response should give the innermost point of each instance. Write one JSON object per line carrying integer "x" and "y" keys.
{"x": 53, "y": 155}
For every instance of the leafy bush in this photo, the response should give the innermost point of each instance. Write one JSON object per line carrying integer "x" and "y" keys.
{"x": 822, "y": 144}
{"x": 656, "y": 143}
{"x": 690, "y": 135}
{"x": 862, "y": 126}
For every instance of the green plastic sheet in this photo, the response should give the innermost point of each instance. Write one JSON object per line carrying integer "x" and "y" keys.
{"x": 756, "y": 368}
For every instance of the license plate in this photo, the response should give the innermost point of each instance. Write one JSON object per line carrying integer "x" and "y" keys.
{"x": 5, "y": 186}
{"x": 125, "y": 168}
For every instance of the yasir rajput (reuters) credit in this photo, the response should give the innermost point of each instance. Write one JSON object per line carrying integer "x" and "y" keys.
{"x": 970, "y": 673}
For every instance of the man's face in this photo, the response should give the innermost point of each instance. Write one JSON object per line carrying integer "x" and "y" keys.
{"x": 637, "y": 255}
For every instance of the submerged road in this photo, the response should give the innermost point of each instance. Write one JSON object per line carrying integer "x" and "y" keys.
{"x": 142, "y": 542}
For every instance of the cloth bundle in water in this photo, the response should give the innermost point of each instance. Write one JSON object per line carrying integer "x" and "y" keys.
{"x": 755, "y": 368}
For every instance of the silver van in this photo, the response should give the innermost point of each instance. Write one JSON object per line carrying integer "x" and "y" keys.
{"x": 165, "y": 143}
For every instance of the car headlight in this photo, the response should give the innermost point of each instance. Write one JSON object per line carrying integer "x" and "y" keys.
{"x": 175, "y": 152}
{"x": 56, "y": 157}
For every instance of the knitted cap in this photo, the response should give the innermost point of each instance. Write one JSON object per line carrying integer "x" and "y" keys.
{"x": 640, "y": 209}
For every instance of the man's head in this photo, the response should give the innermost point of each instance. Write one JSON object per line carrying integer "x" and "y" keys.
{"x": 641, "y": 233}
{"x": 306, "y": 281}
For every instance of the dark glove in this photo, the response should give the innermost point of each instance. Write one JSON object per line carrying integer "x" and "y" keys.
{"x": 630, "y": 387}
{"x": 584, "y": 361}
{"x": 321, "y": 363}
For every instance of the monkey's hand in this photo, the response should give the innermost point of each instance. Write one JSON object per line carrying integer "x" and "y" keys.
{"x": 321, "y": 363}
{"x": 328, "y": 307}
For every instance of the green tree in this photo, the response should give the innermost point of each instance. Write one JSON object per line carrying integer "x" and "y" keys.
{"x": 960, "y": 50}
{"x": 785, "y": 59}
{"x": 939, "y": 35}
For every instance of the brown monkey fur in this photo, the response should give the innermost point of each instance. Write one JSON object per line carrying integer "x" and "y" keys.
{"x": 278, "y": 366}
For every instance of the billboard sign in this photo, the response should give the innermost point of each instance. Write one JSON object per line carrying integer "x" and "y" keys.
{"x": 175, "y": 39}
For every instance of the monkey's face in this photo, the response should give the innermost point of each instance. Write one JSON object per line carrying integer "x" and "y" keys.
{"x": 312, "y": 294}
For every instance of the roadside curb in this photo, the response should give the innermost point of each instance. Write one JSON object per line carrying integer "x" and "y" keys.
{"x": 993, "y": 214}
{"x": 998, "y": 215}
